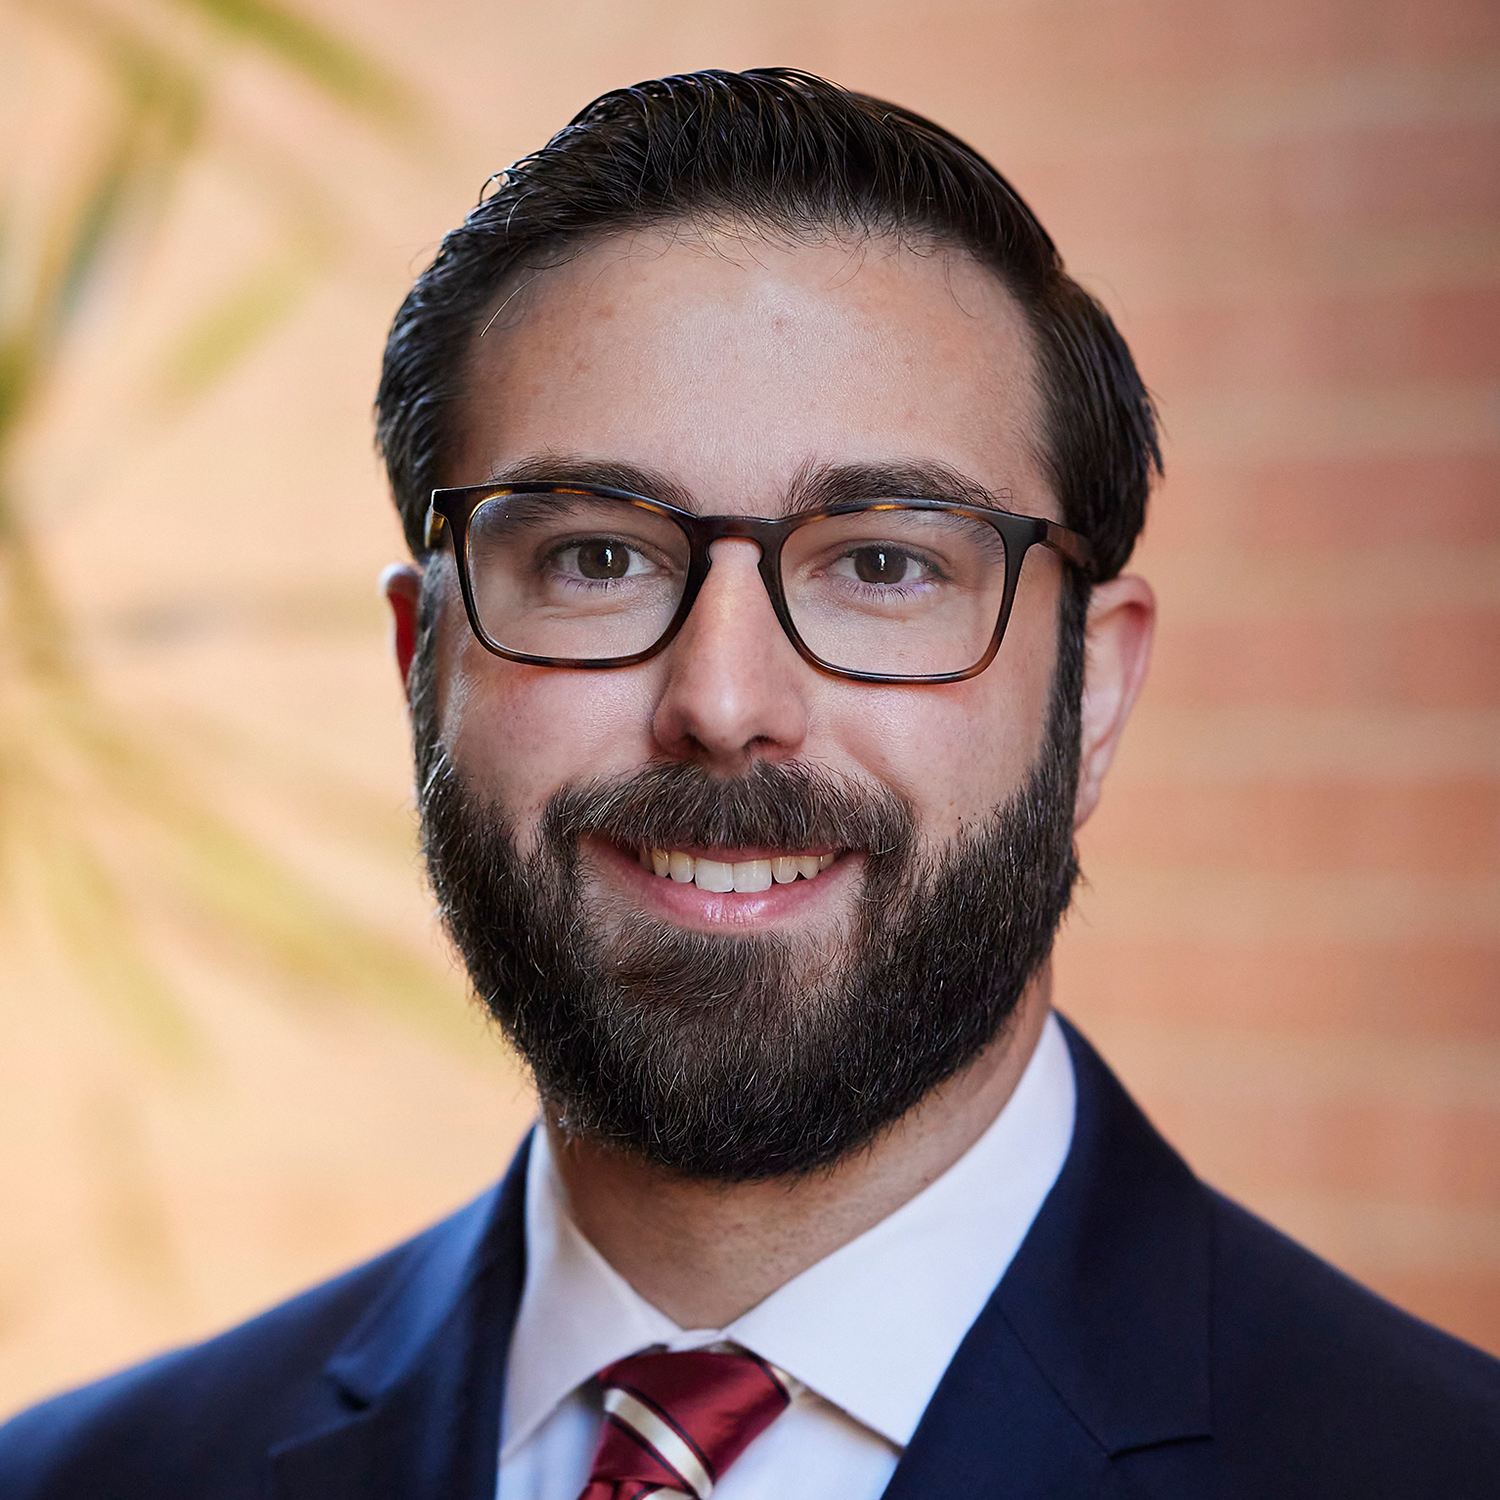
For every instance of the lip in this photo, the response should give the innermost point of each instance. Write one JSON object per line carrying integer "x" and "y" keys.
{"x": 685, "y": 905}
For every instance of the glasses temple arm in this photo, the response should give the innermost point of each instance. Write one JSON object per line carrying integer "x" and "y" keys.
{"x": 1073, "y": 545}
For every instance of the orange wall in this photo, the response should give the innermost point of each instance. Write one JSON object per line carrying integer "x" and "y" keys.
{"x": 1291, "y": 941}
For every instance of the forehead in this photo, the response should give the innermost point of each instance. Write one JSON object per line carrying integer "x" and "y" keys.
{"x": 732, "y": 363}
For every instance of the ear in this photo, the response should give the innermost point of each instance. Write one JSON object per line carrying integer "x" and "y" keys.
{"x": 402, "y": 586}
{"x": 1117, "y": 650}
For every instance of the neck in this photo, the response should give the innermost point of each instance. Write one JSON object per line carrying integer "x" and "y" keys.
{"x": 706, "y": 1252}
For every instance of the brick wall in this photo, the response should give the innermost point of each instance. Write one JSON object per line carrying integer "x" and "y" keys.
{"x": 1292, "y": 944}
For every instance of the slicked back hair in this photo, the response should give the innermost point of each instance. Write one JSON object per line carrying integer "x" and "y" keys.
{"x": 784, "y": 151}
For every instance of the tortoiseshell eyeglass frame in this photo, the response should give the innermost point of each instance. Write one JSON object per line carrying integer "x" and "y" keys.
{"x": 453, "y": 509}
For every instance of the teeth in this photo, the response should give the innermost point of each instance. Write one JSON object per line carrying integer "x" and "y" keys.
{"x": 744, "y": 875}
{"x": 752, "y": 875}
{"x": 713, "y": 875}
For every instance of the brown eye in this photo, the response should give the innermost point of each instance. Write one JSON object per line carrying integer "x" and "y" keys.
{"x": 880, "y": 565}
{"x": 603, "y": 559}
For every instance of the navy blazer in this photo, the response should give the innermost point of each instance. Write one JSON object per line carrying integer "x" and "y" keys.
{"x": 1149, "y": 1339}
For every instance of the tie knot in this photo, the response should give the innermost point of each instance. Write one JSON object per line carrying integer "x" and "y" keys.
{"x": 675, "y": 1422}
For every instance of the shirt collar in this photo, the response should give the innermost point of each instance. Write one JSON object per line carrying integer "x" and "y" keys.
{"x": 870, "y": 1327}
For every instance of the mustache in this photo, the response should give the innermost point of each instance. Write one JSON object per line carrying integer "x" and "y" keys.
{"x": 791, "y": 806}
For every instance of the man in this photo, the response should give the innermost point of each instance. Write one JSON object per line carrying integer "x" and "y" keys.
{"x": 770, "y": 485}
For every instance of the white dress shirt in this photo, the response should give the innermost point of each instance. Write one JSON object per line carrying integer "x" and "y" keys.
{"x": 868, "y": 1330}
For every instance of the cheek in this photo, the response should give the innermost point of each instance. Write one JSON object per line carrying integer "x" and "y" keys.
{"x": 518, "y": 734}
{"x": 955, "y": 753}
{"x": 958, "y": 751}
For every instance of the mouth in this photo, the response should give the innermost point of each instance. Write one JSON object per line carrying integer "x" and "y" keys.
{"x": 716, "y": 888}
{"x": 743, "y": 874}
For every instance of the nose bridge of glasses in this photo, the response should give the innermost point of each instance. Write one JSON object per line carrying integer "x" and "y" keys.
{"x": 765, "y": 533}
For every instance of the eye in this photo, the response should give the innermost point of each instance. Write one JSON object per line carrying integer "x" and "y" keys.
{"x": 603, "y": 560}
{"x": 600, "y": 559}
{"x": 880, "y": 563}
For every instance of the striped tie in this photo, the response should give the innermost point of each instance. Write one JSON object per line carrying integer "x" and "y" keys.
{"x": 674, "y": 1422}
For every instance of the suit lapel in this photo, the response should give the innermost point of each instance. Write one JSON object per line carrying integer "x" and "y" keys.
{"x": 996, "y": 1427}
{"x": 1095, "y": 1343}
{"x": 423, "y": 1374}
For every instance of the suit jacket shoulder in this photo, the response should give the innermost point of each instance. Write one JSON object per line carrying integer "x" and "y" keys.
{"x": 199, "y": 1406}
{"x": 1361, "y": 1394}
{"x": 1152, "y": 1338}
{"x": 220, "y": 1418}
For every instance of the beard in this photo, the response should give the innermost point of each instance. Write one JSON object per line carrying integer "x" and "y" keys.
{"x": 745, "y": 1058}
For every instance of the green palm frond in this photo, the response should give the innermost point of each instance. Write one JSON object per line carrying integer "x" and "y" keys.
{"x": 221, "y": 336}
{"x": 95, "y": 817}
{"x": 326, "y": 61}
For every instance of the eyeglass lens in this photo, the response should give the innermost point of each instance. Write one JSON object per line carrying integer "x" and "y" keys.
{"x": 885, "y": 590}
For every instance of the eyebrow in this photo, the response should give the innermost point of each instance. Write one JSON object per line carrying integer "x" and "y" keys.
{"x": 815, "y": 487}
{"x": 598, "y": 473}
{"x": 819, "y": 487}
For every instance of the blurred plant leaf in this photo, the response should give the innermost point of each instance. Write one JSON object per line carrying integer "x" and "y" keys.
{"x": 222, "y": 335}
{"x": 100, "y": 932}
{"x": 325, "y": 60}
{"x": 77, "y": 781}
{"x": 156, "y": 123}
{"x": 274, "y": 918}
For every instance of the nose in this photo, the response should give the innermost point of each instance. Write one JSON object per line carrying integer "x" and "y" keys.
{"x": 734, "y": 687}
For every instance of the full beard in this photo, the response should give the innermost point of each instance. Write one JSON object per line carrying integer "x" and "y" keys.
{"x": 744, "y": 1058}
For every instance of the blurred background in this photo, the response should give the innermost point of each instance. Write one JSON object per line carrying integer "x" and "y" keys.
{"x": 234, "y": 1053}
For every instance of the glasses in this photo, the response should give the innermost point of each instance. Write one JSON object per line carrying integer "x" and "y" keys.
{"x": 878, "y": 591}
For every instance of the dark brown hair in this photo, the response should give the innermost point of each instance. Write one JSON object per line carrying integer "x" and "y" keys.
{"x": 795, "y": 154}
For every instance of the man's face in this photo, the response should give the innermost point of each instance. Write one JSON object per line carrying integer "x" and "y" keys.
{"x": 727, "y": 376}
{"x": 733, "y": 370}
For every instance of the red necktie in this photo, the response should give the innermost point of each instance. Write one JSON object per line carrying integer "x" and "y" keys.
{"x": 674, "y": 1422}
